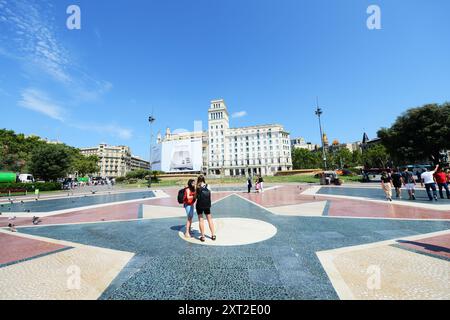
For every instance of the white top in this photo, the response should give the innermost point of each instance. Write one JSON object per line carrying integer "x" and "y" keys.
{"x": 427, "y": 177}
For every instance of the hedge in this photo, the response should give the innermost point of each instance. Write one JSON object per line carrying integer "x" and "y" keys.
{"x": 30, "y": 187}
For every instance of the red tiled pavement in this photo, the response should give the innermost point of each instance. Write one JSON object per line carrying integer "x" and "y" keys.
{"x": 282, "y": 196}
{"x": 439, "y": 245}
{"x": 285, "y": 195}
{"x": 108, "y": 213}
{"x": 14, "y": 248}
{"x": 356, "y": 208}
{"x": 290, "y": 195}
{"x": 112, "y": 212}
{"x": 173, "y": 193}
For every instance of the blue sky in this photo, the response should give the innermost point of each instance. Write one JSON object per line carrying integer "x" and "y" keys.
{"x": 267, "y": 59}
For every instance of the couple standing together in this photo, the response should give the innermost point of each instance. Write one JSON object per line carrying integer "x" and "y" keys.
{"x": 197, "y": 198}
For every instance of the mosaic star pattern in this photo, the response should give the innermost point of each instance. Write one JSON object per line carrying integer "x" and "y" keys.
{"x": 316, "y": 238}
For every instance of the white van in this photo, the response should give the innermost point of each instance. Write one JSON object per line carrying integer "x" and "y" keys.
{"x": 26, "y": 178}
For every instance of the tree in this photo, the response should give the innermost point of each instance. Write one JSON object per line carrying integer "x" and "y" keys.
{"x": 15, "y": 150}
{"x": 85, "y": 165}
{"x": 51, "y": 161}
{"x": 138, "y": 174}
{"x": 357, "y": 158}
{"x": 305, "y": 159}
{"x": 419, "y": 134}
{"x": 344, "y": 158}
{"x": 375, "y": 156}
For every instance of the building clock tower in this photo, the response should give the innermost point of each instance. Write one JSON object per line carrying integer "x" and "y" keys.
{"x": 218, "y": 125}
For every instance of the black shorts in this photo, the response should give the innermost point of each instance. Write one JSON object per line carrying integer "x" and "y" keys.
{"x": 201, "y": 211}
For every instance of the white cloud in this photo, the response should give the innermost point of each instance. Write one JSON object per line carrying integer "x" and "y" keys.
{"x": 29, "y": 36}
{"x": 110, "y": 129}
{"x": 34, "y": 42}
{"x": 117, "y": 131}
{"x": 179, "y": 130}
{"x": 239, "y": 114}
{"x": 38, "y": 101}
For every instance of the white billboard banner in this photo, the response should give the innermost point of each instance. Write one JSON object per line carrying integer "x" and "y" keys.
{"x": 156, "y": 157}
{"x": 181, "y": 155}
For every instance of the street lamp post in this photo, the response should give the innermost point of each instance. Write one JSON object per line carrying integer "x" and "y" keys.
{"x": 151, "y": 119}
{"x": 318, "y": 114}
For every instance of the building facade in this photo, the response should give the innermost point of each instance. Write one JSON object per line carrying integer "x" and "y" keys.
{"x": 137, "y": 163}
{"x": 226, "y": 151}
{"x": 115, "y": 161}
{"x": 254, "y": 150}
{"x": 300, "y": 143}
{"x": 203, "y": 135}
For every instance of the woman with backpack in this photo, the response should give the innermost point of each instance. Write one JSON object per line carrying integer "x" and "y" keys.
{"x": 188, "y": 203}
{"x": 203, "y": 206}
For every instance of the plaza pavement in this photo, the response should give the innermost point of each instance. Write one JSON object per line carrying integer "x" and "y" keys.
{"x": 290, "y": 242}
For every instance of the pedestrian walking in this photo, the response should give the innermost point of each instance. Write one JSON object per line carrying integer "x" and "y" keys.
{"x": 409, "y": 183}
{"x": 430, "y": 183}
{"x": 386, "y": 185}
{"x": 397, "y": 181}
{"x": 249, "y": 184}
{"x": 441, "y": 179}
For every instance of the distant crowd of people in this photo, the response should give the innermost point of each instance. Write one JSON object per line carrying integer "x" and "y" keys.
{"x": 427, "y": 178}
{"x": 71, "y": 183}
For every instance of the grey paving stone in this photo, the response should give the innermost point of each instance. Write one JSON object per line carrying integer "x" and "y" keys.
{"x": 283, "y": 267}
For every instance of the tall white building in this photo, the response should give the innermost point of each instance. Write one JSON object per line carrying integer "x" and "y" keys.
{"x": 261, "y": 149}
{"x": 254, "y": 150}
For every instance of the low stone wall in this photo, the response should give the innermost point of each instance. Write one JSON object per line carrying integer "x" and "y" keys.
{"x": 298, "y": 172}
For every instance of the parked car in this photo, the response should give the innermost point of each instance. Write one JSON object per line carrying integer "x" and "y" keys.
{"x": 26, "y": 178}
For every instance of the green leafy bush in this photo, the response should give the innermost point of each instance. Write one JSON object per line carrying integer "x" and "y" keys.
{"x": 137, "y": 174}
{"x": 30, "y": 187}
